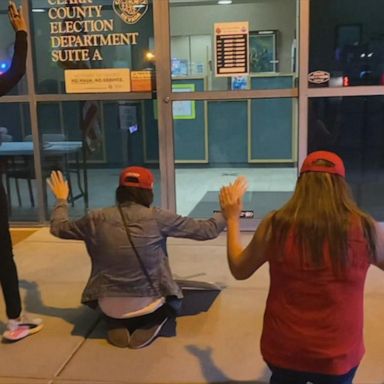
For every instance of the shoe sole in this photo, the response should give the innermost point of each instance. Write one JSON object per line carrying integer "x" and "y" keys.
{"x": 31, "y": 331}
{"x": 150, "y": 339}
{"x": 119, "y": 337}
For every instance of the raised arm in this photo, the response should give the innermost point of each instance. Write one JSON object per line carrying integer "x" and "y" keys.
{"x": 174, "y": 225}
{"x": 243, "y": 262}
{"x": 18, "y": 66}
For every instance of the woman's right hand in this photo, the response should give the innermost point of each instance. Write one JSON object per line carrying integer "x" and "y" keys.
{"x": 16, "y": 17}
{"x": 59, "y": 186}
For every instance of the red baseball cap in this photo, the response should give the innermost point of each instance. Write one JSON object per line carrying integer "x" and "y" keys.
{"x": 138, "y": 177}
{"x": 310, "y": 165}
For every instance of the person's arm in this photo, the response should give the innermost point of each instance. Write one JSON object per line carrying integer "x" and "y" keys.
{"x": 173, "y": 225}
{"x": 18, "y": 66}
{"x": 243, "y": 262}
{"x": 60, "y": 225}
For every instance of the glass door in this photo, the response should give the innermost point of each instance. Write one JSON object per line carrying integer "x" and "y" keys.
{"x": 229, "y": 120}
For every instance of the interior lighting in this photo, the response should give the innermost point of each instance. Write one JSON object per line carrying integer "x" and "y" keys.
{"x": 224, "y": 2}
{"x": 38, "y": 10}
{"x": 149, "y": 56}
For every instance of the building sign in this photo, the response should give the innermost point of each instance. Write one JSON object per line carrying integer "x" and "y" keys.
{"x": 130, "y": 11}
{"x": 231, "y": 53}
{"x": 97, "y": 80}
{"x": 143, "y": 81}
{"x": 319, "y": 77}
{"x": 78, "y": 29}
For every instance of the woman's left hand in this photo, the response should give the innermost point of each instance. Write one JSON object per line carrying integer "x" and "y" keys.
{"x": 231, "y": 197}
{"x": 239, "y": 186}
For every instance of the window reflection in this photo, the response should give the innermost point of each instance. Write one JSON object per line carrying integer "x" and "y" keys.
{"x": 6, "y": 49}
{"x": 352, "y": 127}
{"x": 347, "y": 40}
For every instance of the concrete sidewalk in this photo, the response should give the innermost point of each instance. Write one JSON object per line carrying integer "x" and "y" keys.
{"x": 217, "y": 346}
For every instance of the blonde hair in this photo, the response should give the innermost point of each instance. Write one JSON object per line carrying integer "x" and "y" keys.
{"x": 320, "y": 214}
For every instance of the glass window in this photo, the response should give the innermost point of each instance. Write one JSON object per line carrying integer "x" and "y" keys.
{"x": 216, "y": 141}
{"x": 6, "y": 49}
{"x": 79, "y": 36}
{"x": 16, "y": 161}
{"x": 271, "y": 50}
{"x": 353, "y": 128}
{"x": 346, "y": 40}
{"x": 91, "y": 141}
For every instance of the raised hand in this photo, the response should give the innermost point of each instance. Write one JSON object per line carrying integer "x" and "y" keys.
{"x": 59, "y": 186}
{"x": 239, "y": 186}
{"x": 230, "y": 204}
{"x": 231, "y": 198}
{"x": 16, "y": 17}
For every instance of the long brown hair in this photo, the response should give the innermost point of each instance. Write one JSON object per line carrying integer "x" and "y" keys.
{"x": 138, "y": 195}
{"x": 320, "y": 213}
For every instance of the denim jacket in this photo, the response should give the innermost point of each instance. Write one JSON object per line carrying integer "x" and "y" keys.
{"x": 115, "y": 268}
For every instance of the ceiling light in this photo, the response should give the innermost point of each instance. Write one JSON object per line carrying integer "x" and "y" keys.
{"x": 224, "y": 2}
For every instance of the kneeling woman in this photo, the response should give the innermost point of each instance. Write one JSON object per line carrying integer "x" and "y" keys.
{"x": 131, "y": 280}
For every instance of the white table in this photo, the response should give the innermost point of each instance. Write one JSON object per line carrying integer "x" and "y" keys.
{"x": 53, "y": 149}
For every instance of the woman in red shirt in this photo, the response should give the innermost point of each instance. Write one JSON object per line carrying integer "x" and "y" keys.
{"x": 319, "y": 246}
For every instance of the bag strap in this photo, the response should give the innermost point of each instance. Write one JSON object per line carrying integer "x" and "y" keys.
{"x": 142, "y": 266}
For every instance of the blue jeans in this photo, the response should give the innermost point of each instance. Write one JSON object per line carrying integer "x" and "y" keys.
{"x": 286, "y": 376}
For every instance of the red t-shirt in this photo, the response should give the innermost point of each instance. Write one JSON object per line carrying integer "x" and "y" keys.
{"x": 313, "y": 321}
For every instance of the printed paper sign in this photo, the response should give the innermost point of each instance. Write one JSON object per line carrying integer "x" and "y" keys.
{"x": 231, "y": 53}
{"x": 97, "y": 80}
